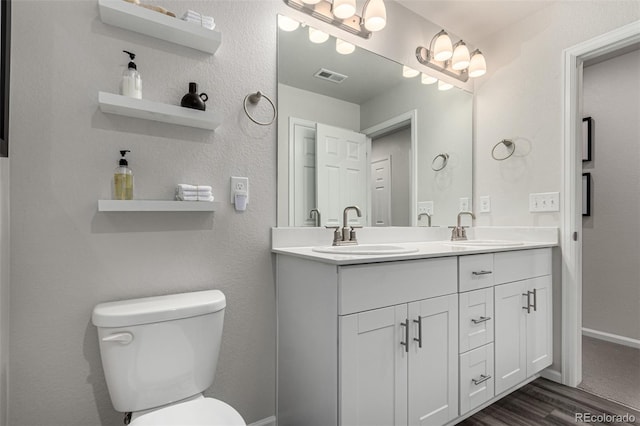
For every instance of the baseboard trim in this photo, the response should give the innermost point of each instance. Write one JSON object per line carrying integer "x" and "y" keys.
{"x": 269, "y": 421}
{"x": 613, "y": 338}
{"x": 553, "y": 375}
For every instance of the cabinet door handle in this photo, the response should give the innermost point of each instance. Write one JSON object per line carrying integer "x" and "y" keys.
{"x": 480, "y": 320}
{"x": 528, "y": 307}
{"x": 419, "y": 339}
{"x": 481, "y": 379}
{"x": 405, "y": 324}
{"x": 482, "y": 272}
{"x": 535, "y": 299}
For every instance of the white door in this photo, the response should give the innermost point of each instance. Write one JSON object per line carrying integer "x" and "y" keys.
{"x": 539, "y": 326}
{"x": 373, "y": 368}
{"x": 303, "y": 188}
{"x": 341, "y": 174}
{"x": 510, "y": 335}
{"x": 433, "y": 368}
{"x": 381, "y": 192}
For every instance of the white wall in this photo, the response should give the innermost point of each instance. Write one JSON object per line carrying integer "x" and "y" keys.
{"x": 611, "y": 235}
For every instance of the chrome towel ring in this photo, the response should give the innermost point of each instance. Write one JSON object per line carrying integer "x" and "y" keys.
{"x": 510, "y": 147}
{"x": 254, "y": 98}
{"x": 445, "y": 160}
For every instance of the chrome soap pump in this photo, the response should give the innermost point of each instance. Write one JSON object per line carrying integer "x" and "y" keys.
{"x": 131, "y": 80}
{"x": 123, "y": 179}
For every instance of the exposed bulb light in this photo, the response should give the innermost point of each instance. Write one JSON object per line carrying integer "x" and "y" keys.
{"x": 287, "y": 24}
{"x": 317, "y": 36}
{"x": 343, "y": 9}
{"x": 375, "y": 15}
{"x": 477, "y": 65}
{"x": 461, "y": 58}
{"x": 311, "y": 1}
{"x": 343, "y": 47}
{"x": 409, "y": 72}
{"x": 427, "y": 79}
{"x": 444, "y": 85}
{"x": 442, "y": 47}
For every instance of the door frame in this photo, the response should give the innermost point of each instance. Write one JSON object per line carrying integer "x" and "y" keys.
{"x": 570, "y": 231}
{"x": 395, "y": 123}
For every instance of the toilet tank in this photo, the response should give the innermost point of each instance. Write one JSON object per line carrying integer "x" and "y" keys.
{"x": 158, "y": 350}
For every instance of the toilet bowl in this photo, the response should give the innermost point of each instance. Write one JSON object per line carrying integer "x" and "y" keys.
{"x": 160, "y": 353}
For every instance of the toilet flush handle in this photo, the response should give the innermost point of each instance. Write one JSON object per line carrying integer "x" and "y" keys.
{"x": 122, "y": 338}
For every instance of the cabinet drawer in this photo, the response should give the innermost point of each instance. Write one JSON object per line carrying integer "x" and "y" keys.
{"x": 476, "y": 377}
{"x": 371, "y": 286}
{"x": 476, "y": 318}
{"x": 521, "y": 264}
{"x": 476, "y": 271}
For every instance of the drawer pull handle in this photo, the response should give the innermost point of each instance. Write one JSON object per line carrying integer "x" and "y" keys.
{"x": 529, "y": 305}
{"x": 535, "y": 299}
{"x": 419, "y": 339}
{"x": 405, "y": 324}
{"x": 482, "y": 272}
{"x": 482, "y": 379}
{"x": 480, "y": 320}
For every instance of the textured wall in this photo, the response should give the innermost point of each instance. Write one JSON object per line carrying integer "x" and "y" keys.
{"x": 66, "y": 257}
{"x": 611, "y": 236}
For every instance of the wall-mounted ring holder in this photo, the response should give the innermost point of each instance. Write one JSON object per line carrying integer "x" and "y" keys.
{"x": 254, "y": 98}
{"x": 503, "y": 150}
{"x": 437, "y": 164}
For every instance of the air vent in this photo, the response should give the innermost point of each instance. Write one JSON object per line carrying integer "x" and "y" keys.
{"x": 331, "y": 76}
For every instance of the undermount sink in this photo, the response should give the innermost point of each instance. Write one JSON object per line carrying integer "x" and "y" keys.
{"x": 485, "y": 243}
{"x": 366, "y": 249}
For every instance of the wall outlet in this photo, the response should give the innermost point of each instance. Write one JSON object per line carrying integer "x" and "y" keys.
{"x": 485, "y": 204}
{"x": 425, "y": 207}
{"x": 239, "y": 185}
{"x": 464, "y": 204}
{"x": 544, "y": 202}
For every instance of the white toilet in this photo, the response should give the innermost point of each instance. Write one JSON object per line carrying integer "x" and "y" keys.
{"x": 160, "y": 353}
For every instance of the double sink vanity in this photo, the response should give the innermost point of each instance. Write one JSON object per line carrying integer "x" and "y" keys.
{"x": 407, "y": 327}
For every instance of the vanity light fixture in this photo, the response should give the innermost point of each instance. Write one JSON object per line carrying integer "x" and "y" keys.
{"x": 342, "y": 14}
{"x": 408, "y": 72}
{"x": 427, "y": 79}
{"x": 443, "y": 85}
{"x": 344, "y": 48}
{"x": 452, "y": 60}
{"x": 317, "y": 36}
{"x": 287, "y": 24}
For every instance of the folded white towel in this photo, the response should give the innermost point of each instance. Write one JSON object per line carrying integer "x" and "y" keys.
{"x": 209, "y": 26}
{"x": 200, "y": 193}
{"x": 188, "y": 187}
{"x": 193, "y": 198}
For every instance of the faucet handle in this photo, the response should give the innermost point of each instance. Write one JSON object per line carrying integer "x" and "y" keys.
{"x": 337, "y": 235}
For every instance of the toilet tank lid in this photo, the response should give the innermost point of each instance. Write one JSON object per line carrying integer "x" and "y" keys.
{"x": 158, "y": 308}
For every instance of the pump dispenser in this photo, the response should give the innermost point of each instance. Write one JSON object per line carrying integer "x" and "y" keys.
{"x": 131, "y": 80}
{"x": 123, "y": 179}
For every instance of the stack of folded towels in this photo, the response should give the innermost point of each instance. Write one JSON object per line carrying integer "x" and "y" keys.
{"x": 186, "y": 192}
{"x": 197, "y": 18}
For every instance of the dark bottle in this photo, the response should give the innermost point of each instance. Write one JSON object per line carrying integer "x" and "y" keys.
{"x": 193, "y": 99}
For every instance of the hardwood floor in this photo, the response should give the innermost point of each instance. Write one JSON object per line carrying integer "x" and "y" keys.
{"x": 543, "y": 402}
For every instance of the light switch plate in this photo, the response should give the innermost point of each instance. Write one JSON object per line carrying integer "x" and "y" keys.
{"x": 425, "y": 207}
{"x": 544, "y": 202}
{"x": 464, "y": 204}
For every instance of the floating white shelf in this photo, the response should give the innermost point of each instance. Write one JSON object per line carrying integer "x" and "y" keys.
{"x": 156, "y": 206}
{"x": 149, "y": 110}
{"x": 155, "y": 24}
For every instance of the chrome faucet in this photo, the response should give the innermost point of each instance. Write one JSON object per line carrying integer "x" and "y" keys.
{"x": 317, "y": 221}
{"x": 458, "y": 233}
{"x": 428, "y": 218}
{"x": 347, "y": 234}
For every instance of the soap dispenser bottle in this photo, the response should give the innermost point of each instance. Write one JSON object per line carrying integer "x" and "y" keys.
{"x": 123, "y": 180}
{"x": 131, "y": 80}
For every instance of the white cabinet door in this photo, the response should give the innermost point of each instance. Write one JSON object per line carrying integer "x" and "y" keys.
{"x": 373, "y": 368}
{"x": 433, "y": 368}
{"x": 476, "y": 318}
{"x": 510, "y": 335}
{"x": 539, "y": 325}
{"x": 476, "y": 377}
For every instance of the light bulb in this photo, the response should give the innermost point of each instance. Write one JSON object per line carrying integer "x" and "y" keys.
{"x": 409, "y": 72}
{"x": 427, "y": 79}
{"x": 343, "y": 47}
{"x": 343, "y": 9}
{"x": 317, "y": 36}
{"x": 444, "y": 86}
{"x": 311, "y": 1}
{"x": 460, "y": 59}
{"x": 375, "y": 15}
{"x": 442, "y": 47}
{"x": 477, "y": 65}
{"x": 287, "y": 24}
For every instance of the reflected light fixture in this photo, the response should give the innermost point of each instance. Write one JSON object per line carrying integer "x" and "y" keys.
{"x": 408, "y": 72}
{"x": 317, "y": 36}
{"x": 427, "y": 79}
{"x": 443, "y": 85}
{"x": 287, "y": 24}
{"x": 344, "y": 48}
{"x": 342, "y": 14}
{"x": 458, "y": 64}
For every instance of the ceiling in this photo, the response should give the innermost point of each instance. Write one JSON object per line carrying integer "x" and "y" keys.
{"x": 474, "y": 19}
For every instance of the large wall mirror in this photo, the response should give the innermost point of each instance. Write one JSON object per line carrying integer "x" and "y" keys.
{"x": 353, "y": 131}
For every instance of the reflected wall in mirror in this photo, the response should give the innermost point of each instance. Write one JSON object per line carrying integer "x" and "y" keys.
{"x": 353, "y": 131}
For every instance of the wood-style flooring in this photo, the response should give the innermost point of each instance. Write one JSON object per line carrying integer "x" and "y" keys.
{"x": 543, "y": 402}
